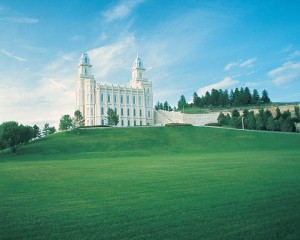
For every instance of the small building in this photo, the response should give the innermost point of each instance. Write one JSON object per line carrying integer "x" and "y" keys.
{"x": 133, "y": 104}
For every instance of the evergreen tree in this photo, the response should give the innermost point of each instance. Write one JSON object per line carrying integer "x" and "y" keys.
{"x": 264, "y": 97}
{"x": 166, "y": 106}
{"x": 255, "y": 97}
{"x": 182, "y": 103}
{"x": 196, "y": 99}
{"x": 235, "y": 113}
{"x": 246, "y": 98}
{"x": 278, "y": 113}
{"x": 297, "y": 113}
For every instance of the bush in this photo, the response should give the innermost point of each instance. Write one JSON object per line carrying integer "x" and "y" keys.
{"x": 178, "y": 125}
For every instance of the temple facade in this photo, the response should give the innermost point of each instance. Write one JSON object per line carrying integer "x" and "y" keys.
{"x": 133, "y": 104}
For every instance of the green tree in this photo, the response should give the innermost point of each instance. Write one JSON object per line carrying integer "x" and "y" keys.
{"x": 255, "y": 97}
{"x": 182, "y": 103}
{"x": 11, "y": 135}
{"x": 246, "y": 97}
{"x": 278, "y": 113}
{"x": 112, "y": 117}
{"x": 270, "y": 124}
{"x": 166, "y": 106}
{"x": 196, "y": 99}
{"x": 288, "y": 125}
{"x": 52, "y": 130}
{"x": 250, "y": 122}
{"x": 264, "y": 97}
{"x": 47, "y": 130}
{"x": 78, "y": 119}
{"x": 297, "y": 113}
{"x": 36, "y": 131}
{"x": 222, "y": 119}
{"x": 65, "y": 122}
{"x": 235, "y": 113}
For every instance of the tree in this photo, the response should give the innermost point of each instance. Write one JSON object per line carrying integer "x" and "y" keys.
{"x": 78, "y": 120}
{"x": 270, "y": 124}
{"x": 297, "y": 113}
{"x": 264, "y": 97}
{"x": 255, "y": 97}
{"x": 246, "y": 97}
{"x": 250, "y": 122}
{"x": 11, "y": 135}
{"x": 235, "y": 113}
{"x": 221, "y": 119}
{"x": 278, "y": 113}
{"x": 182, "y": 102}
{"x": 47, "y": 130}
{"x": 166, "y": 106}
{"x": 36, "y": 131}
{"x": 65, "y": 122}
{"x": 196, "y": 99}
{"x": 112, "y": 117}
{"x": 52, "y": 130}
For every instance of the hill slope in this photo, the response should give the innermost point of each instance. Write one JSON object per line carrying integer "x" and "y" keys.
{"x": 153, "y": 183}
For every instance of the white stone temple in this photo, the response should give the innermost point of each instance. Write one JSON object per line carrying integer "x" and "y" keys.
{"x": 133, "y": 104}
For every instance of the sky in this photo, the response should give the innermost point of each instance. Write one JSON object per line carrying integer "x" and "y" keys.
{"x": 186, "y": 46}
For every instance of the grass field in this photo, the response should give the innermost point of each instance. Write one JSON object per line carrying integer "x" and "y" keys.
{"x": 153, "y": 183}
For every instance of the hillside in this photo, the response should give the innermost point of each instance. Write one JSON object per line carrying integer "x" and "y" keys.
{"x": 152, "y": 183}
{"x": 272, "y": 107}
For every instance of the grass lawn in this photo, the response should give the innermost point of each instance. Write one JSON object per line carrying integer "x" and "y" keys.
{"x": 153, "y": 183}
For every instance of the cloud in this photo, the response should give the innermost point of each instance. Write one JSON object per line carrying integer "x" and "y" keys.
{"x": 51, "y": 96}
{"x": 121, "y": 10}
{"x": 227, "y": 82}
{"x": 248, "y": 63}
{"x": 112, "y": 60}
{"x": 231, "y": 65}
{"x": 22, "y": 20}
{"x": 285, "y": 74}
{"x": 295, "y": 54}
{"x": 8, "y": 54}
{"x": 240, "y": 63}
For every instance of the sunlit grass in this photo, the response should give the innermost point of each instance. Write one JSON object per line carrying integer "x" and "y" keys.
{"x": 153, "y": 183}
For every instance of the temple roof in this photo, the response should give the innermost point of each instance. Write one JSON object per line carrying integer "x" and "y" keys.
{"x": 84, "y": 59}
{"x": 137, "y": 62}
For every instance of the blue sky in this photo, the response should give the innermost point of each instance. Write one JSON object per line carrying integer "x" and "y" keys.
{"x": 187, "y": 46}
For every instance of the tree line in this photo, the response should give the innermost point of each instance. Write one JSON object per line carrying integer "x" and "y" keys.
{"x": 263, "y": 120}
{"x": 163, "y": 106}
{"x": 13, "y": 135}
{"x": 225, "y": 98}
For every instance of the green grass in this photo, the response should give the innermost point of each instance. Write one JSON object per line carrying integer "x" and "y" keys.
{"x": 153, "y": 183}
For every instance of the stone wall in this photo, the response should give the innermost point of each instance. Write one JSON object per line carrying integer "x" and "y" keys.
{"x": 162, "y": 117}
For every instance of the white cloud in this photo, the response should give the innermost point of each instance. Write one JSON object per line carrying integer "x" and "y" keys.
{"x": 121, "y": 10}
{"x": 227, "y": 82}
{"x": 231, "y": 65}
{"x": 8, "y": 54}
{"x": 111, "y": 61}
{"x": 22, "y": 20}
{"x": 51, "y": 96}
{"x": 240, "y": 63}
{"x": 248, "y": 63}
{"x": 285, "y": 74}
